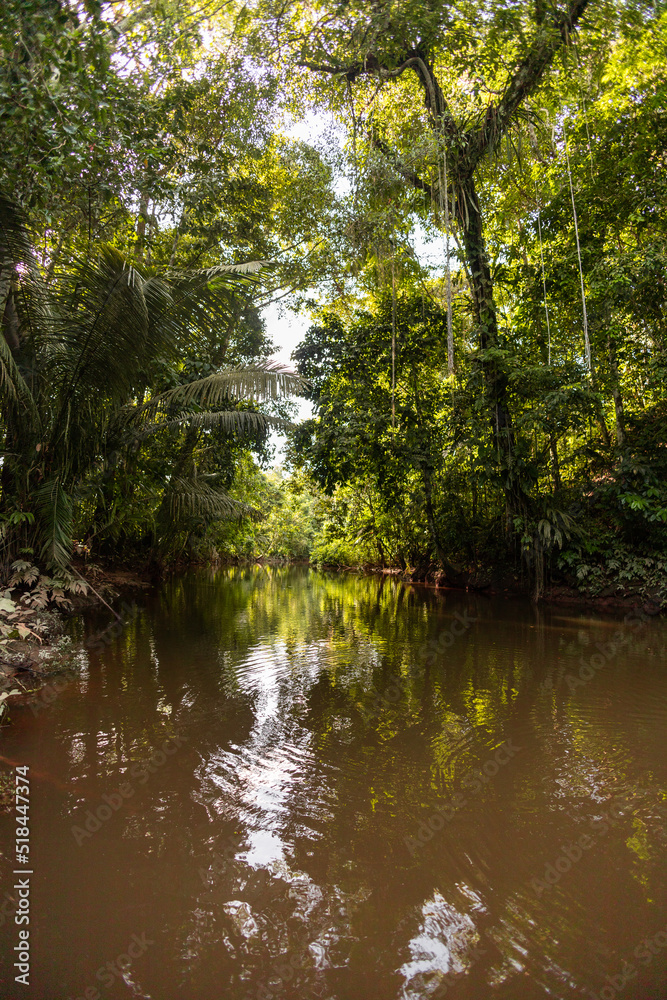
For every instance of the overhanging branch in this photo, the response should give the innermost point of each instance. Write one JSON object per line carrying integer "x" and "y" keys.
{"x": 413, "y": 59}
{"x": 409, "y": 175}
{"x": 551, "y": 35}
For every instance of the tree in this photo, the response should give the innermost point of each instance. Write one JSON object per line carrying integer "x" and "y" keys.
{"x": 476, "y": 71}
{"x": 80, "y": 363}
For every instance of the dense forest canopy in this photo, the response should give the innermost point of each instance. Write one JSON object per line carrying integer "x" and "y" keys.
{"x": 498, "y": 412}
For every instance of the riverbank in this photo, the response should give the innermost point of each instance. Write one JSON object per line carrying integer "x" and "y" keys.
{"x": 612, "y": 595}
{"x": 35, "y": 646}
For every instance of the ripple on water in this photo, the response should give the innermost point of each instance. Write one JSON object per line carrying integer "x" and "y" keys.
{"x": 440, "y": 951}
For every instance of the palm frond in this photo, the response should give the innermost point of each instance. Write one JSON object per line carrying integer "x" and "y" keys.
{"x": 195, "y": 498}
{"x": 13, "y": 387}
{"x": 111, "y": 322}
{"x": 207, "y": 274}
{"x": 115, "y": 319}
{"x": 231, "y": 421}
{"x": 256, "y": 383}
{"x": 208, "y": 299}
{"x": 53, "y": 508}
{"x": 239, "y": 420}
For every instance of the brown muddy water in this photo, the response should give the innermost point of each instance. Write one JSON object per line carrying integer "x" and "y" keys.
{"x": 277, "y": 783}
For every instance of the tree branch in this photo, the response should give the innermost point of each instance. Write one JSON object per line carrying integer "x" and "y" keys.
{"x": 436, "y": 103}
{"x": 550, "y": 36}
{"x": 405, "y": 172}
{"x": 349, "y": 72}
{"x": 414, "y": 59}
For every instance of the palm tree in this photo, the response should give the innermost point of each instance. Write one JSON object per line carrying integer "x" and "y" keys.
{"x": 82, "y": 358}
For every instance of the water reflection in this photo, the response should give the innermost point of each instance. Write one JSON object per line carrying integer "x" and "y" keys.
{"x": 340, "y": 819}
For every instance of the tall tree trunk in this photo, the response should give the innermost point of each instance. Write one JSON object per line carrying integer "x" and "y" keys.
{"x": 481, "y": 284}
{"x": 620, "y": 416}
{"x": 466, "y": 148}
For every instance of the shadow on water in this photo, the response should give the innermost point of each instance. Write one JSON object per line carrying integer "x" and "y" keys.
{"x": 281, "y": 783}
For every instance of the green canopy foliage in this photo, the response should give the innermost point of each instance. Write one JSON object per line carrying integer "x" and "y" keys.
{"x": 501, "y": 404}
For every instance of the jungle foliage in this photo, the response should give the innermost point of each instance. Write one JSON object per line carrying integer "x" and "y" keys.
{"x": 478, "y": 235}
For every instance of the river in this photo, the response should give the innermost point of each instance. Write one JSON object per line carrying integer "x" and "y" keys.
{"x": 276, "y": 782}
